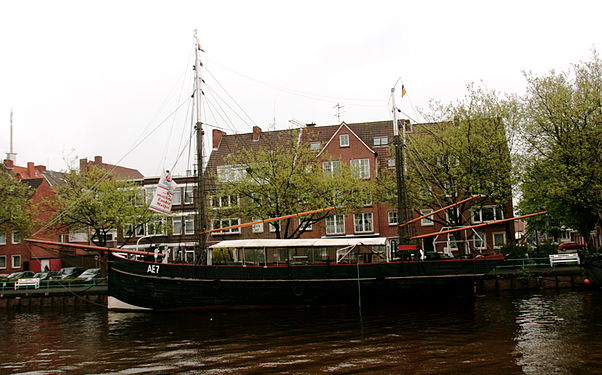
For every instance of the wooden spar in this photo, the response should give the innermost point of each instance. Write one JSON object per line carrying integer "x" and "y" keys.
{"x": 477, "y": 226}
{"x": 439, "y": 210}
{"x": 269, "y": 220}
{"x": 90, "y": 247}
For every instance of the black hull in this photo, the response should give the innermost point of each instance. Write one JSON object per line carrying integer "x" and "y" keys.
{"x": 136, "y": 285}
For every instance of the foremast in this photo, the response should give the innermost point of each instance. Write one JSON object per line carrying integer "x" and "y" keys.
{"x": 200, "y": 199}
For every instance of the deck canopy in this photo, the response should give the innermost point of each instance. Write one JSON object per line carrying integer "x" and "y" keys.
{"x": 305, "y": 242}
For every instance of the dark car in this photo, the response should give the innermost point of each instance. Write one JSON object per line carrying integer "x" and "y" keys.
{"x": 89, "y": 274}
{"x": 21, "y": 275}
{"x": 571, "y": 246}
{"x": 70, "y": 272}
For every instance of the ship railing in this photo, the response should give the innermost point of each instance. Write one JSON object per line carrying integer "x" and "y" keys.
{"x": 525, "y": 263}
{"x": 52, "y": 284}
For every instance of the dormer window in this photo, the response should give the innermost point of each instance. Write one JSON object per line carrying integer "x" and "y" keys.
{"x": 344, "y": 140}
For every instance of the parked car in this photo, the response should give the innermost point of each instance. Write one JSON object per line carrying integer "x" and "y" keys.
{"x": 571, "y": 246}
{"x": 46, "y": 275}
{"x": 21, "y": 275}
{"x": 89, "y": 274}
{"x": 70, "y": 272}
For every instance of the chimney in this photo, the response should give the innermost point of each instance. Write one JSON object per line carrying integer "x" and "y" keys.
{"x": 31, "y": 170}
{"x": 256, "y": 133}
{"x": 98, "y": 160}
{"x": 217, "y": 138}
{"x": 83, "y": 165}
{"x": 8, "y": 163}
{"x": 41, "y": 168}
{"x": 311, "y": 124}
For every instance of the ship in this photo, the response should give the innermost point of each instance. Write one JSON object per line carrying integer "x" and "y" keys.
{"x": 277, "y": 273}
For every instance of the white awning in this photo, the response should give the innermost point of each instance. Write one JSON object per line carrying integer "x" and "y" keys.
{"x": 305, "y": 242}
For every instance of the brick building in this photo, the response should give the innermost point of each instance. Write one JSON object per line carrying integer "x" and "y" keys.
{"x": 367, "y": 148}
{"x": 15, "y": 254}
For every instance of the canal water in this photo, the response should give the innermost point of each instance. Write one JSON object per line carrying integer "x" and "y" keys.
{"x": 551, "y": 333}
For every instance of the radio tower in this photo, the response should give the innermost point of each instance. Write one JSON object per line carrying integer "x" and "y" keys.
{"x": 11, "y": 155}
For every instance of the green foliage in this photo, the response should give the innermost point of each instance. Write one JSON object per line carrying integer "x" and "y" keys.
{"x": 15, "y": 211}
{"x": 513, "y": 251}
{"x": 287, "y": 178}
{"x": 103, "y": 204}
{"x": 563, "y": 140}
{"x": 464, "y": 151}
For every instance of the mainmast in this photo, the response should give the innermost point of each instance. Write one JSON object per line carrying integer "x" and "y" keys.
{"x": 200, "y": 224}
{"x": 402, "y": 196}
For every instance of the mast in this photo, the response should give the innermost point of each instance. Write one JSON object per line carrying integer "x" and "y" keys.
{"x": 402, "y": 198}
{"x": 200, "y": 224}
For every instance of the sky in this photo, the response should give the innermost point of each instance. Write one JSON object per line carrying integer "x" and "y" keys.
{"x": 86, "y": 78}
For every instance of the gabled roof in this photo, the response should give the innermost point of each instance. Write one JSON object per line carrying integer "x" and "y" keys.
{"x": 344, "y": 126}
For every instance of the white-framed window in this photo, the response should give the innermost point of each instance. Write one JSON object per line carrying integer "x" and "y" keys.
{"x": 381, "y": 141}
{"x": 315, "y": 146}
{"x": 306, "y": 227}
{"x": 139, "y": 229}
{"x": 139, "y": 196}
{"x": 176, "y": 225}
{"x": 157, "y": 226}
{"x": 427, "y": 221}
{"x": 17, "y": 238}
{"x": 344, "y": 140}
{"x": 188, "y": 195}
{"x": 363, "y": 222}
{"x": 488, "y": 213}
{"x": 360, "y": 168}
{"x": 222, "y": 223}
{"x": 177, "y": 196}
{"x": 391, "y": 163}
{"x": 392, "y": 218}
{"x": 230, "y": 173}
{"x": 2, "y": 262}
{"x": 271, "y": 227}
{"x": 224, "y": 201}
{"x": 149, "y": 193}
{"x": 499, "y": 239}
{"x": 335, "y": 224}
{"x": 2, "y": 238}
{"x": 16, "y": 261}
{"x": 479, "y": 240}
{"x": 331, "y": 168}
{"x": 189, "y": 224}
{"x": 257, "y": 228}
{"x": 78, "y": 235}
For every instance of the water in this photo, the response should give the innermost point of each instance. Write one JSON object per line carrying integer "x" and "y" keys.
{"x": 530, "y": 334}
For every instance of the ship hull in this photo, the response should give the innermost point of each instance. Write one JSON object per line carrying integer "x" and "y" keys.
{"x": 138, "y": 285}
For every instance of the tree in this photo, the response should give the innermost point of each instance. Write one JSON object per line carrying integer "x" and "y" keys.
{"x": 465, "y": 150}
{"x": 563, "y": 138}
{"x": 287, "y": 178}
{"x": 15, "y": 210}
{"x": 103, "y": 204}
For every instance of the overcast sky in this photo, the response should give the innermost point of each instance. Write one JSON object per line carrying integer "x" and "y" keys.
{"x": 89, "y": 78}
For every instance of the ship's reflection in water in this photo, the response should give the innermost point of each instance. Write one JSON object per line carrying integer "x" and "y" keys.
{"x": 533, "y": 334}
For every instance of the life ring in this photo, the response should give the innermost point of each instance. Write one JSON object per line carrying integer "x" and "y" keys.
{"x": 216, "y": 284}
{"x": 298, "y": 290}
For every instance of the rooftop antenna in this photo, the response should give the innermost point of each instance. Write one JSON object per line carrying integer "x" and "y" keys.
{"x": 338, "y": 115}
{"x": 11, "y": 155}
